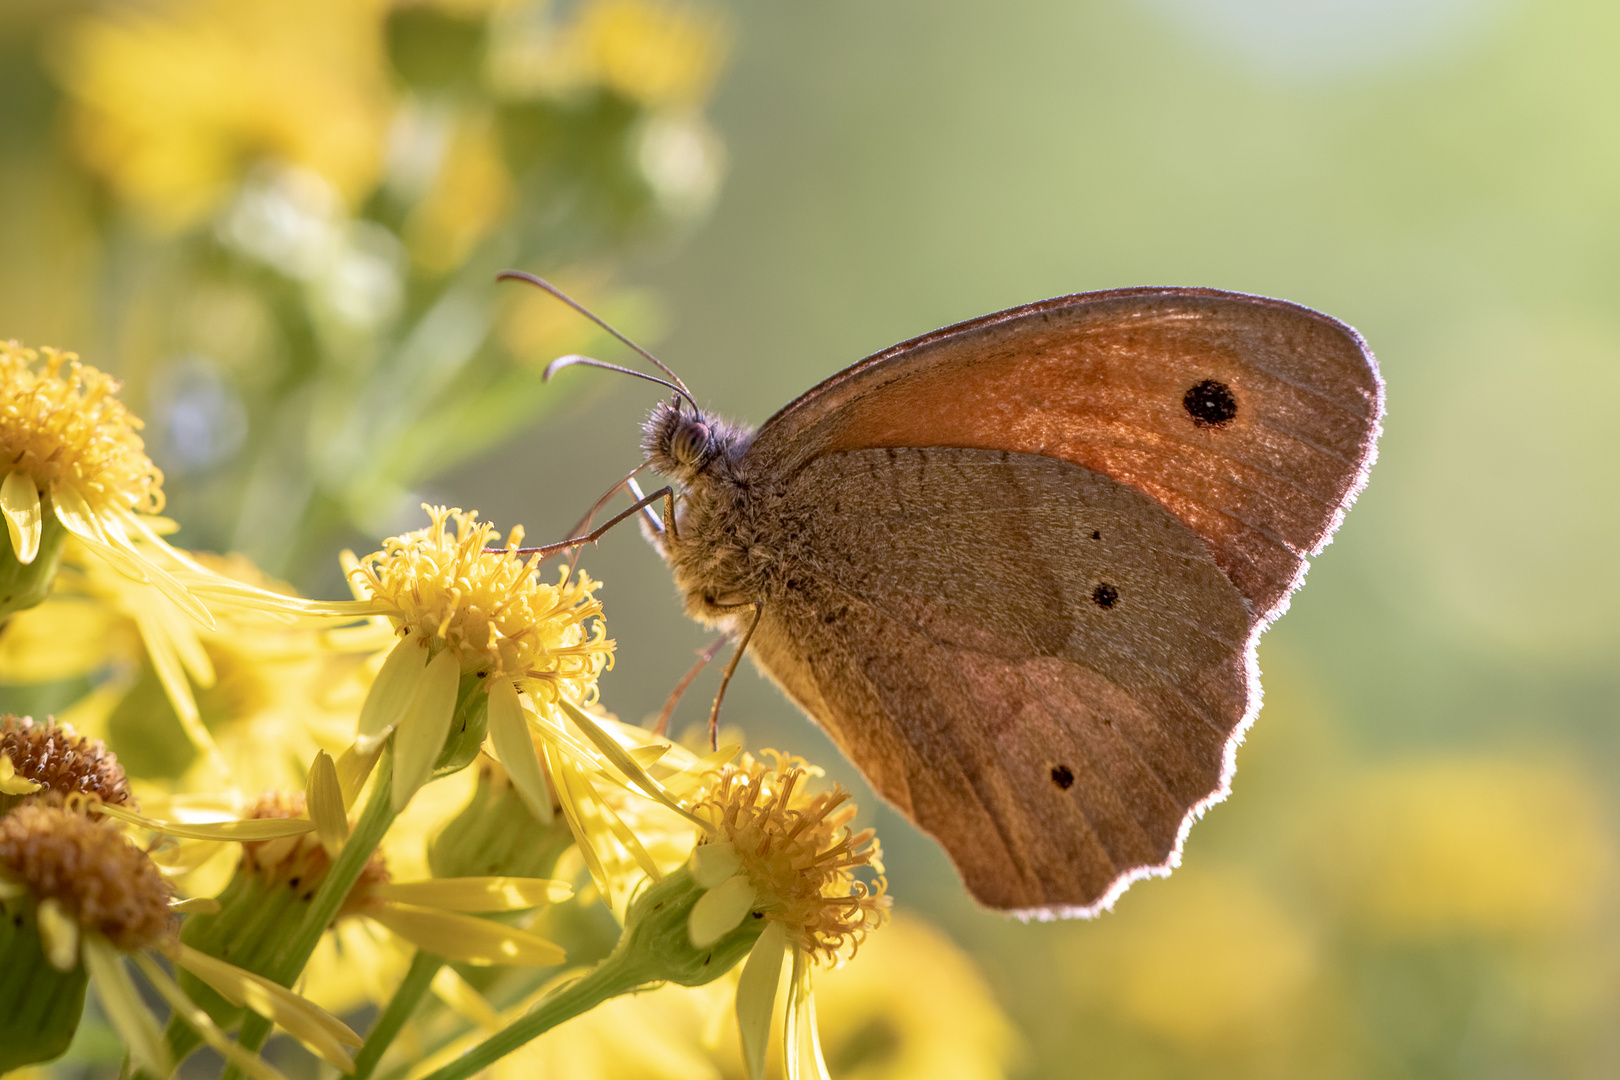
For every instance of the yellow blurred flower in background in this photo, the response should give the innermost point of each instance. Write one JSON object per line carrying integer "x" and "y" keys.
{"x": 176, "y": 100}
{"x": 1492, "y": 846}
{"x": 663, "y": 55}
{"x": 913, "y": 1008}
{"x": 1208, "y": 960}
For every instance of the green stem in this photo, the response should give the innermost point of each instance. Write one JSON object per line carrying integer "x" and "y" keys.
{"x": 400, "y": 1007}
{"x": 351, "y": 861}
{"x": 618, "y": 974}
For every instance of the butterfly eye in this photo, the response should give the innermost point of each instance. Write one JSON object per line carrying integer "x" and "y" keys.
{"x": 690, "y": 442}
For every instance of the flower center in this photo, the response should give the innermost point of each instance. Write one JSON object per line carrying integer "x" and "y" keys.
{"x": 798, "y": 853}
{"x": 490, "y": 606}
{"x": 61, "y": 425}
{"x": 300, "y": 862}
{"x": 65, "y": 762}
{"x": 93, "y": 871}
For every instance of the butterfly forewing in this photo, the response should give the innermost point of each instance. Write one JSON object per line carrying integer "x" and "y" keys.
{"x": 1252, "y": 420}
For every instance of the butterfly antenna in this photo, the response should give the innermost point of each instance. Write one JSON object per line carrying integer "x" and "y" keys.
{"x": 675, "y": 382}
{"x": 590, "y": 361}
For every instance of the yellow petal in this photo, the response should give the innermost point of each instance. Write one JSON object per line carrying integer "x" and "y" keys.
{"x": 19, "y": 502}
{"x": 250, "y": 829}
{"x": 720, "y": 910}
{"x": 756, "y": 997}
{"x": 112, "y": 526}
{"x": 392, "y": 692}
{"x": 9, "y": 783}
{"x": 476, "y": 893}
{"x": 354, "y": 765}
{"x": 301, "y": 1018}
{"x": 59, "y": 934}
{"x": 165, "y": 654}
{"x": 459, "y": 994}
{"x": 425, "y": 725}
{"x": 200, "y": 1022}
{"x": 624, "y": 762}
{"x": 801, "y": 1042}
{"x": 648, "y": 756}
{"x": 509, "y": 731}
{"x": 466, "y": 938}
{"x": 121, "y": 1003}
{"x": 713, "y": 863}
{"x": 323, "y": 794}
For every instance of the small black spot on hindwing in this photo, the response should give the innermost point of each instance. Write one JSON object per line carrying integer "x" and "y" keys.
{"x": 1210, "y": 404}
{"x": 1063, "y": 777}
{"x": 1105, "y": 595}
{"x": 1096, "y": 534}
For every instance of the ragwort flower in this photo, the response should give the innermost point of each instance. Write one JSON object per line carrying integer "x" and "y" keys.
{"x": 775, "y": 873}
{"x": 481, "y": 635}
{"x": 77, "y": 467}
{"x": 778, "y": 853}
{"x": 78, "y": 899}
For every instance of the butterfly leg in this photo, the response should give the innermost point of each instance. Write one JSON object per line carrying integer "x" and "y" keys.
{"x": 705, "y": 654}
{"x": 731, "y": 669}
{"x": 665, "y": 493}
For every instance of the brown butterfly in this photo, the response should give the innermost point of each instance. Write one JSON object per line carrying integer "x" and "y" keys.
{"x": 1017, "y": 568}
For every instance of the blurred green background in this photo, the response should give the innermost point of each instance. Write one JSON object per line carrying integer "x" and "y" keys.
{"x": 1415, "y": 874}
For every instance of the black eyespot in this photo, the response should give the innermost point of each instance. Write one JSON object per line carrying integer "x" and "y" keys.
{"x": 1096, "y": 535}
{"x": 1105, "y": 596}
{"x": 1210, "y": 404}
{"x": 1063, "y": 777}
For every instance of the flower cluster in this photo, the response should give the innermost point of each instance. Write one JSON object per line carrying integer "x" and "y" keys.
{"x": 331, "y": 835}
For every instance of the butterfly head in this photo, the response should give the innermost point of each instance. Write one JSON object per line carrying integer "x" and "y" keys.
{"x": 683, "y": 444}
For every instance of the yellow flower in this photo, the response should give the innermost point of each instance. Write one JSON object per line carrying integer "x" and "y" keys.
{"x": 1484, "y": 846}
{"x": 477, "y": 626}
{"x": 662, "y": 55}
{"x": 79, "y": 898}
{"x": 914, "y": 1006}
{"x": 779, "y": 853}
{"x": 174, "y": 100}
{"x": 76, "y": 463}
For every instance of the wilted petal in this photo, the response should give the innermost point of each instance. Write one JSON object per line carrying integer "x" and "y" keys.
{"x": 476, "y": 893}
{"x": 19, "y": 502}
{"x": 196, "y": 905}
{"x": 466, "y": 938}
{"x": 756, "y": 997}
{"x": 721, "y": 910}
{"x": 425, "y": 725}
{"x": 509, "y": 731}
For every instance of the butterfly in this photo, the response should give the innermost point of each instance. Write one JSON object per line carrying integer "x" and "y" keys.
{"x": 1017, "y": 568}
